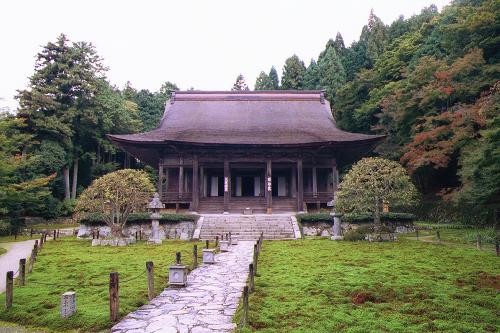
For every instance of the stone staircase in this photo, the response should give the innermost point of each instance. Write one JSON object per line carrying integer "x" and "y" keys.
{"x": 247, "y": 227}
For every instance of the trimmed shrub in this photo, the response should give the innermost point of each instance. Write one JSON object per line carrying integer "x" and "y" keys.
{"x": 358, "y": 218}
{"x": 143, "y": 217}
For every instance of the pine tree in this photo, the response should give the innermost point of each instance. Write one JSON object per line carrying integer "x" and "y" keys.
{"x": 240, "y": 84}
{"x": 263, "y": 82}
{"x": 293, "y": 74}
{"x": 273, "y": 78}
{"x": 339, "y": 43}
{"x": 331, "y": 73}
{"x": 376, "y": 37}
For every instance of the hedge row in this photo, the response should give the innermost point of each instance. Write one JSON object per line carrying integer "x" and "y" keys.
{"x": 360, "y": 218}
{"x": 137, "y": 218}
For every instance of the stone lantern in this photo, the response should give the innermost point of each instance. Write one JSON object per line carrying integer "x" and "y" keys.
{"x": 337, "y": 229}
{"x": 177, "y": 273}
{"x": 154, "y": 206}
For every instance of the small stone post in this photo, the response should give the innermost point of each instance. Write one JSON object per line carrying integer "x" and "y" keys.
{"x": 438, "y": 235}
{"x": 22, "y": 271}
{"x": 68, "y": 304}
{"x": 177, "y": 274}
{"x": 416, "y": 232}
{"x": 151, "y": 283}
{"x": 9, "y": 289}
{"x": 478, "y": 242}
{"x": 114, "y": 298}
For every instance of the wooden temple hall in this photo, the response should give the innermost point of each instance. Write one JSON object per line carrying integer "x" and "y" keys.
{"x": 270, "y": 151}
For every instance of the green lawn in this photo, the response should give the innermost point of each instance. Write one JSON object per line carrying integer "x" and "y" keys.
{"x": 70, "y": 264}
{"x": 406, "y": 286}
{"x": 2, "y": 250}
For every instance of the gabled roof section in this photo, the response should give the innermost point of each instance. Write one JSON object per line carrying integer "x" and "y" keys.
{"x": 247, "y": 118}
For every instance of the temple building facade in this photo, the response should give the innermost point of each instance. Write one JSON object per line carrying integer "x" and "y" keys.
{"x": 269, "y": 151}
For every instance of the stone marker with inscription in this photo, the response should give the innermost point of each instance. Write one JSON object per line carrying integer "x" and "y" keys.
{"x": 68, "y": 304}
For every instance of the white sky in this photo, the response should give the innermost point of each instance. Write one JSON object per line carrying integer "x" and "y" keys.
{"x": 202, "y": 44}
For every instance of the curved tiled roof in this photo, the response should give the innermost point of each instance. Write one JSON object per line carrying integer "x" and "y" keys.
{"x": 247, "y": 118}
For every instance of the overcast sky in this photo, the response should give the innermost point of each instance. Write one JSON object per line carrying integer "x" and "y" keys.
{"x": 202, "y": 44}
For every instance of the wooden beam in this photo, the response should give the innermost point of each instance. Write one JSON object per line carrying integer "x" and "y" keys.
{"x": 227, "y": 185}
{"x": 334, "y": 176}
{"x": 300, "y": 186}
{"x": 196, "y": 186}
{"x": 269, "y": 186}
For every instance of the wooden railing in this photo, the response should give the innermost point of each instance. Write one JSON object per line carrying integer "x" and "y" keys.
{"x": 173, "y": 197}
{"x": 319, "y": 196}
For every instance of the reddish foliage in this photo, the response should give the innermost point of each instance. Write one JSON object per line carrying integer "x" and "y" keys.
{"x": 362, "y": 297}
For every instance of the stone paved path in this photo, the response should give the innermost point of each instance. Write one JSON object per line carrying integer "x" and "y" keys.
{"x": 10, "y": 261}
{"x": 207, "y": 304}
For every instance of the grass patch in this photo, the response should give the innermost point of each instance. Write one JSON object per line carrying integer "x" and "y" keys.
{"x": 71, "y": 264}
{"x": 2, "y": 251}
{"x": 405, "y": 286}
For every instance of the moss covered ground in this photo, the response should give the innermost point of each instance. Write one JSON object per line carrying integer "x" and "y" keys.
{"x": 70, "y": 264}
{"x": 406, "y": 286}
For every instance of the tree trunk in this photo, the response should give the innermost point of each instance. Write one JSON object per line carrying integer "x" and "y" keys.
{"x": 376, "y": 215}
{"x": 75, "y": 179}
{"x": 65, "y": 172}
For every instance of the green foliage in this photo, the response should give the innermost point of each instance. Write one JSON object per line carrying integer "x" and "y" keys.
{"x": 488, "y": 235}
{"x": 115, "y": 196}
{"x": 331, "y": 73}
{"x": 38, "y": 302}
{"x": 372, "y": 181}
{"x": 354, "y": 235}
{"x": 273, "y": 78}
{"x": 325, "y": 286}
{"x": 263, "y": 82}
{"x": 293, "y": 74}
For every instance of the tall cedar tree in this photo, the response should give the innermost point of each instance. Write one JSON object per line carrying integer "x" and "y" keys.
{"x": 273, "y": 77}
{"x": 293, "y": 74}
{"x": 263, "y": 82}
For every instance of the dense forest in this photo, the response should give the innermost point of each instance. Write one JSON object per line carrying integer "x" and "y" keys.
{"x": 428, "y": 82}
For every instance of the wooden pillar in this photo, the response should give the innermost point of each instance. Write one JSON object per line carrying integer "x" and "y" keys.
{"x": 196, "y": 185}
{"x": 160, "y": 179}
{"x": 334, "y": 176}
{"x": 181, "y": 177}
{"x": 315, "y": 182}
{"x": 202, "y": 182}
{"x": 293, "y": 183}
{"x": 300, "y": 187}
{"x": 269, "y": 186}
{"x": 227, "y": 185}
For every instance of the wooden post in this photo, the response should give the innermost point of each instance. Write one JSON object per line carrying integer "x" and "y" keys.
{"x": 250, "y": 278}
{"x": 438, "y": 235}
{"x": 151, "y": 282}
{"x": 57, "y": 233}
{"x": 98, "y": 233}
{"x": 54, "y": 235}
{"x": 300, "y": 186}
{"x": 136, "y": 237}
{"x": 196, "y": 186}
{"x": 255, "y": 258}
{"x": 416, "y": 232}
{"x": 195, "y": 256}
{"x": 478, "y": 242}
{"x": 31, "y": 233}
{"x": 114, "y": 300}
{"x": 45, "y": 237}
{"x": 245, "y": 306}
{"x": 216, "y": 241}
{"x": 41, "y": 242}
{"x": 269, "y": 186}
{"x": 36, "y": 244}
{"x": 497, "y": 247}
{"x": 178, "y": 258}
{"x": 22, "y": 271}
{"x": 206, "y": 244}
{"x": 32, "y": 260}
{"x": 9, "y": 289}
{"x": 227, "y": 185}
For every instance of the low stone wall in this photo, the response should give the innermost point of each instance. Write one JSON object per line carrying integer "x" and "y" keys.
{"x": 173, "y": 230}
{"x": 324, "y": 229}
